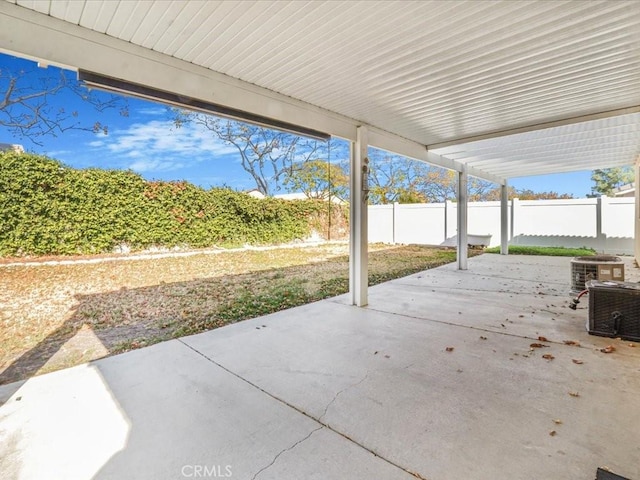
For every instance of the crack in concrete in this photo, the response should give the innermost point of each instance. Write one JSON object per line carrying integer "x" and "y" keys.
{"x": 338, "y": 394}
{"x": 302, "y": 412}
{"x": 284, "y": 451}
{"x": 480, "y": 329}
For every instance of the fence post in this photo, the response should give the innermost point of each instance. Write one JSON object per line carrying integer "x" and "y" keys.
{"x": 601, "y": 211}
{"x": 448, "y": 211}
{"x": 394, "y": 221}
{"x": 515, "y": 208}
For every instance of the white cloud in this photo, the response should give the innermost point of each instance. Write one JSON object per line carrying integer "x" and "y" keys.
{"x": 152, "y": 111}
{"x": 158, "y": 146}
{"x": 147, "y": 165}
{"x": 162, "y": 137}
{"x": 58, "y": 153}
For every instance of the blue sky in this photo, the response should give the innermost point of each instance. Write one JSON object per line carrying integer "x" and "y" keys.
{"x": 147, "y": 142}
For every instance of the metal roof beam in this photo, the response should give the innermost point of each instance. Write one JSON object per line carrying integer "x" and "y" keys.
{"x": 591, "y": 138}
{"x": 395, "y": 144}
{"x": 538, "y": 126}
{"x": 509, "y": 158}
{"x": 565, "y": 168}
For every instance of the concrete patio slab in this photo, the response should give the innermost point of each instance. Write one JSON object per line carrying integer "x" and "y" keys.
{"x": 164, "y": 412}
{"x": 426, "y": 380}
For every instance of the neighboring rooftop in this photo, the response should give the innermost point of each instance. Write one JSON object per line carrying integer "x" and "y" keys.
{"x": 628, "y": 190}
{"x": 11, "y": 147}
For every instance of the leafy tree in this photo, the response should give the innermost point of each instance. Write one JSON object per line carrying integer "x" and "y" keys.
{"x": 398, "y": 179}
{"x": 525, "y": 194}
{"x": 440, "y": 184}
{"x": 28, "y": 109}
{"x": 607, "y": 179}
{"x": 318, "y": 179}
{"x": 392, "y": 177}
{"x": 267, "y": 155}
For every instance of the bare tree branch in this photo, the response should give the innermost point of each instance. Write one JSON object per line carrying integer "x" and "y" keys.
{"x": 27, "y": 110}
{"x": 267, "y": 155}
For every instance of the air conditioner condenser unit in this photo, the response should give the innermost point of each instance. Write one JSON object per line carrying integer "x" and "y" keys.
{"x": 614, "y": 309}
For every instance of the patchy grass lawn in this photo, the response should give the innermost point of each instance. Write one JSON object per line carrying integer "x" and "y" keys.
{"x": 548, "y": 251}
{"x": 56, "y": 316}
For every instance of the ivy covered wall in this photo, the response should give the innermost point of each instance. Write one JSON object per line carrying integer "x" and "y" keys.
{"x": 47, "y": 208}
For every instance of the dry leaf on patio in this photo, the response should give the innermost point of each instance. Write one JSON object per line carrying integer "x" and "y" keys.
{"x": 548, "y": 356}
{"x": 572, "y": 342}
{"x": 574, "y": 394}
{"x": 482, "y": 337}
{"x": 577, "y": 362}
{"x": 449, "y": 349}
{"x": 557, "y": 421}
{"x": 608, "y": 349}
{"x": 552, "y": 433}
{"x": 538, "y": 345}
{"x": 543, "y": 339}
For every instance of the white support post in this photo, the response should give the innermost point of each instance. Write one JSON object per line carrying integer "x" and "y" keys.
{"x": 463, "y": 198}
{"x": 358, "y": 240}
{"x": 504, "y": 219}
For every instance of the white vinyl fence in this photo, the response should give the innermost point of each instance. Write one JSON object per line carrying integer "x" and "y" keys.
{"x": 605, "y": 224}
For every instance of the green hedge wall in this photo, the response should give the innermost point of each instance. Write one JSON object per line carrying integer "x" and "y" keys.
{"x": 48, "y": 208}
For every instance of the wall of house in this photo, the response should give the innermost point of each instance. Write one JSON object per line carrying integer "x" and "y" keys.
{"x": 605, "y": 224}
{"x": 636, "y": 217}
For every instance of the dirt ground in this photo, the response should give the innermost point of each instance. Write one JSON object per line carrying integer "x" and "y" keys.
{"x": 54, "y": 316}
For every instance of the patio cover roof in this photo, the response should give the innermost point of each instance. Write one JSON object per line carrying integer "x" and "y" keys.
{"x": 437, "y": 81}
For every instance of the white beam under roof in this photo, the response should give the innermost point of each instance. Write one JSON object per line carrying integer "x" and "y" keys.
{"x": 547, "y": 126}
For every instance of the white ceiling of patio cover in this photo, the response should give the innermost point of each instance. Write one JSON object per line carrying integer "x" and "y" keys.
{"x": 430, "y": 71}
{"x": 613, "y": 141}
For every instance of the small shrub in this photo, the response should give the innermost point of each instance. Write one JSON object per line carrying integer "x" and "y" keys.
{"x": 549, "y": 251}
